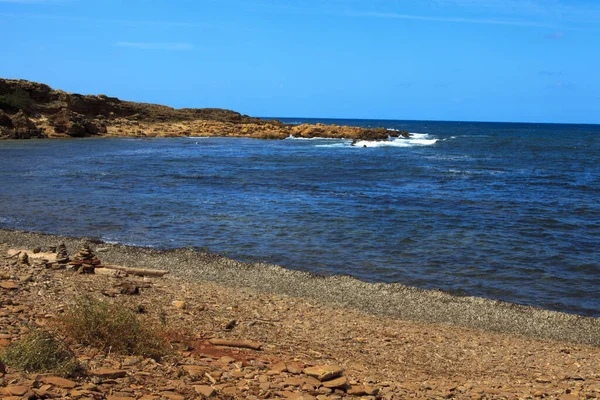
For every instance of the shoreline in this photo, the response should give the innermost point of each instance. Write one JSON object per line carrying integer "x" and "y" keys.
{"x": 395, "y": 301}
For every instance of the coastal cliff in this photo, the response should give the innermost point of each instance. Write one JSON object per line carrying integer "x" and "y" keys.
{"x": 35, "y": 110}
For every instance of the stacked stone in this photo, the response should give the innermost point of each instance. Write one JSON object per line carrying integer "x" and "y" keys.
{"x": 85, "y": 262}
{"x": 23, "y": 259}
{"x": 61, "y": 254}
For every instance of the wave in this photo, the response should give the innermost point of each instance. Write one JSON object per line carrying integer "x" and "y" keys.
{"x": 416, "y": 139}
{"x": 291, "y": 137}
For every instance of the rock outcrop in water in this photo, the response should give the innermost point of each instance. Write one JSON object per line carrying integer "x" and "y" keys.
{"x": 35, "y": 110}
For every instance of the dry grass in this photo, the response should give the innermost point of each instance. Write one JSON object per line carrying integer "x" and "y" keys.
{"x": 41, "y": 351}
{"x": 112, "y": 327}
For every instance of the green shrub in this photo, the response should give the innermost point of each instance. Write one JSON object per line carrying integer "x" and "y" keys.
{"x": 41, "y": 352}
{"x": 111, "y": 327}
{"x": 15, "y": 101}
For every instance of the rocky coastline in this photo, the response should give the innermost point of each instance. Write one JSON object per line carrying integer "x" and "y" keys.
{"x": 259, "y": 331}
{"x": 31, "y": 110}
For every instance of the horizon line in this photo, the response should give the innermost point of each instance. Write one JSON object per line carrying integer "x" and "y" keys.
{"x": 436, "y": 120}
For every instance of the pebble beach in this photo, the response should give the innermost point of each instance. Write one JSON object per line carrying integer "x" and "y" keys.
{"x": 382, "y": 340}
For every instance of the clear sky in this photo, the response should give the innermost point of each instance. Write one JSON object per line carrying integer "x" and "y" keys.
{"x": 477, "y": 60}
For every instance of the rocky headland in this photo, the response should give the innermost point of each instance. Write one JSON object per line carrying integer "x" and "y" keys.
{"x": 35, "y": 110}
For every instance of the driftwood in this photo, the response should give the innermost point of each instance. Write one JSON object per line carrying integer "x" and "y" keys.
{"x": 136, "y": 271}
{"x": 109, "y": 272}
{"x": 51, "y": 257}
{"x": 244, "y": 344}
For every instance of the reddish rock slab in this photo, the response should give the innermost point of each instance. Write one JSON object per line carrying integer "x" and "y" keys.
{"x": 324, "y": 372}
{"x": 204, "y": 390}
{"x": 60, "y": 382}
{"x": 336, "y": 383}
{"x": 9, "y": 285}
{"x": 109, "y": 373}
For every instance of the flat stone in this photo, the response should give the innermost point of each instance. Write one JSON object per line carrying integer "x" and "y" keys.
{"x": 278, "y": 368}
{"x": 172, "y": 396}
{"x": 301, "y": 396}
{"x": 324, "y": 372}
{"x": 109, "y": 373}
{"x": 195, "y": 371}
{"x": 568, "y": 397}
{"x": 293, "y": 382}
{"x": 357, "y": 391}
{"x": 204, "y": 390}
{"x": 226, "y": 360}
{"x": 60, "y": 382}
{"x": 9, "y": 285}
{"x": 294, "y": 368}
{"x": 230, "y": 391}
{"x": 16, "y": 390}
{"x": 336, "y": 383}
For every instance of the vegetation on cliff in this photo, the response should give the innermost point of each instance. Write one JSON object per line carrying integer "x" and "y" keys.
{"x": 35, "y": 110}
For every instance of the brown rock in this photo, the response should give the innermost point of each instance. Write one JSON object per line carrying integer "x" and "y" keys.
{"x": 336, "y": 383}
{"x": 357, "y": 391}
{"x": 230, "y": 391}
{"x": 293, "y": 382}
{"x": 568, "y": 397}
{"x": 301, "y": 396}
{"x": 324, "y": 372}
{"x": 60, "y": 382}
{"x": 172, "y": 395}
{"x": 9, "y": 285}
{"x": 278, "y": 368}
{"x": 23, "y": 127}
{"x": 204, "y": 390}
{"x": 179, "y": 304}
{"x": 109, "y": 373}
{"x": 16, "y": 390}
{"x": 195, "y": 371}
{"x": 294, "y": 368}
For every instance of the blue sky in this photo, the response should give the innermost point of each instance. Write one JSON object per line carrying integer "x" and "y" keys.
{"x": 476, "y": 60}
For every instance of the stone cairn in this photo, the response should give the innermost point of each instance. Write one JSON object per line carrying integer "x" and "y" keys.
{"x": 23, "y": 259}
{"x": 61, "y": 254}
{"x": 85, "y": 262}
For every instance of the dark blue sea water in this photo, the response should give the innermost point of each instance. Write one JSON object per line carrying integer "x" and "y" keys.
{"x": 505, "y": 211}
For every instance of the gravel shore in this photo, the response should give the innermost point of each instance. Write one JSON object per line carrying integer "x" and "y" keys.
{"x": 390, "y": 300}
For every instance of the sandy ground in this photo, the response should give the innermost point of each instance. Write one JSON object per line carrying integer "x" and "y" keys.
{"x": 407, "y": 343}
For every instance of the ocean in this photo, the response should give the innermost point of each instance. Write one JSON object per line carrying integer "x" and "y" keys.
{"x": 503, "y": 211}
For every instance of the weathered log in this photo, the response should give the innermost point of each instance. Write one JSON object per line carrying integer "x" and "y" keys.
{"x": 244, "y": 344}
{"x": 109, "y": 272}
{"x": 51, "y": 257}
{"x": 137, "y": 271}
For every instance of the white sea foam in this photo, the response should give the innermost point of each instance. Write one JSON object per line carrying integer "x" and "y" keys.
{"x": 415, "y": 139}
{"x": 291, "y": 137}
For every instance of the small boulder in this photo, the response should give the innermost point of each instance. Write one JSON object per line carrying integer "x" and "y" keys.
{"x": 109, "y": 373}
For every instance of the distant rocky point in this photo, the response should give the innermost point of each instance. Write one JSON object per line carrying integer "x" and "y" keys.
{"x": 35, "y": 110}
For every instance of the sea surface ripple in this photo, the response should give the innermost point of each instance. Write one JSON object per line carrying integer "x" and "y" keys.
{"x": 504, "y": 211}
